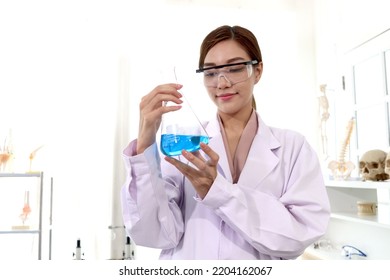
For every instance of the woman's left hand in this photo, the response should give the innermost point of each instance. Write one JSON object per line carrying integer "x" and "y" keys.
{"x": 204, "y": 172}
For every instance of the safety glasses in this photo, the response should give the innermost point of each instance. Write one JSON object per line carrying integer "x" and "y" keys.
{"x": 233, "y": 73}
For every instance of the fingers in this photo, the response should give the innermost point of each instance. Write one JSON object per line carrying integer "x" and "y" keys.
{"x": 152, "y": 109}
{"x": 182, "y": 167}
{"x": 151, "y": 106}
{"x": 198, "y": 160}
{"x": 161, "y": 94}
{"x": 201, "y": 172}
{"x": 213, "y": 156}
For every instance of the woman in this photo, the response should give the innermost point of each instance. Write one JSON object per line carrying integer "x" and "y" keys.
{"x": 254, "y": 192}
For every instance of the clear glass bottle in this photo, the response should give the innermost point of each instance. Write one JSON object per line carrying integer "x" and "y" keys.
{"x": 181, "y": 130}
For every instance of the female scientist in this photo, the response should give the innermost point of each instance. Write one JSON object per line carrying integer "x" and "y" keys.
{"x": 254, "y": 192}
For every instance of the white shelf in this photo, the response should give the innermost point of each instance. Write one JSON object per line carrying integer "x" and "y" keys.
{"x": 344, "y": 195}
{"x": 14, "y": 183}
{"x": 20, "y": 231}
{"x": 370, "y": 233}
{"x": 374, "y": 220}
{"x": 357, "y": 183}
{"x": 327, "y": 254}
{"x": 12, "y": 175}
{"x": 321, "y": 254}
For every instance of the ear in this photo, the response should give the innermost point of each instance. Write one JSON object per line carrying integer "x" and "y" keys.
{"x": 258, "y": 72}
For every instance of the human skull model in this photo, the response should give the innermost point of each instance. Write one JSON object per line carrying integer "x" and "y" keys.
{"x": 372, "y": 166}
{"x": 387, "y": 164}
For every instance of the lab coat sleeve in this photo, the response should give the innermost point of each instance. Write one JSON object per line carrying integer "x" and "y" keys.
{"x": 150, "y": 206}
{"x": 281, "y": 225}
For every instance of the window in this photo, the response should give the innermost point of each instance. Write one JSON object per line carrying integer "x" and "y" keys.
{"x": 367, "y": 83}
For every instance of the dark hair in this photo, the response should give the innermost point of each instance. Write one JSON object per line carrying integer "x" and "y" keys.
{"x": 239, "y": 34}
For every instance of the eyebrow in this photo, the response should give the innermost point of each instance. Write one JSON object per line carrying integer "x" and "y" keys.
{"x": 231, "y": 60}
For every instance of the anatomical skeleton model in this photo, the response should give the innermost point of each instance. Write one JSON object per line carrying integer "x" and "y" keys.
{"x": 25, "y": 213}
{"x": 32, "y": 156}
{"x": 5, "y": 155}
{"x": 342, "y": 169}
{"x": 26, "y": 207}
{"x": 324, "y": 116}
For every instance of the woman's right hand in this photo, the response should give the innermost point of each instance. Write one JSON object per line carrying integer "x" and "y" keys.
{"x": 151, "y": 110}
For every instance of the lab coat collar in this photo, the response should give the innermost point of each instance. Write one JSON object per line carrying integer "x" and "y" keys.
{"x": 261, "y": 158}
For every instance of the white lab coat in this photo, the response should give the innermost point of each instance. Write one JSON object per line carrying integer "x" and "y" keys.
{"x": 278, "y": 207}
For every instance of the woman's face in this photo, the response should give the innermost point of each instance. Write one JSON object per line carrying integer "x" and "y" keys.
{"x": 231, "y": 98}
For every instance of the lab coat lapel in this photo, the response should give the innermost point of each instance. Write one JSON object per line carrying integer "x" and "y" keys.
{"x": 261, "y": 158}
{"x": 216, "y": 143}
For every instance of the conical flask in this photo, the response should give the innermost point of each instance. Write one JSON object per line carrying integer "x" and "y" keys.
{"x": 181, "y": 129}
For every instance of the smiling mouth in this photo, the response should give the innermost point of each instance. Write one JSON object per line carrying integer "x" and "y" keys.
{"x": 226, "y": 95}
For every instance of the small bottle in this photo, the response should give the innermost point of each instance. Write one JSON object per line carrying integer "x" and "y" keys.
{"x": 78, "y": 250}
{"x": 128, "y": 255}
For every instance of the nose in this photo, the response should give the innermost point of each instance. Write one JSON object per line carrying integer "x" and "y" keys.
{"x": 223, "y": 83}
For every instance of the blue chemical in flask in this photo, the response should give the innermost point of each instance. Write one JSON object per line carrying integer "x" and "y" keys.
{"x": 173, "y": 144}
{"x": 181, "y": 130}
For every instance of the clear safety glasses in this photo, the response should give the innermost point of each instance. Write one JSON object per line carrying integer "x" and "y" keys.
{"x": 233, "y": 73}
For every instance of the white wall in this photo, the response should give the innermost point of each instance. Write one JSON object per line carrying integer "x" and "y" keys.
{"x": 58, "y": 88}
{"x": 286, "y": 38}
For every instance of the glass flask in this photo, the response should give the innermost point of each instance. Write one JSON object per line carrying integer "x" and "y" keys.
{"x": 181, "y": 129}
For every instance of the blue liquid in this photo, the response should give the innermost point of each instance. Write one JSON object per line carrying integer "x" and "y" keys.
{"x": 172, "y": 144}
